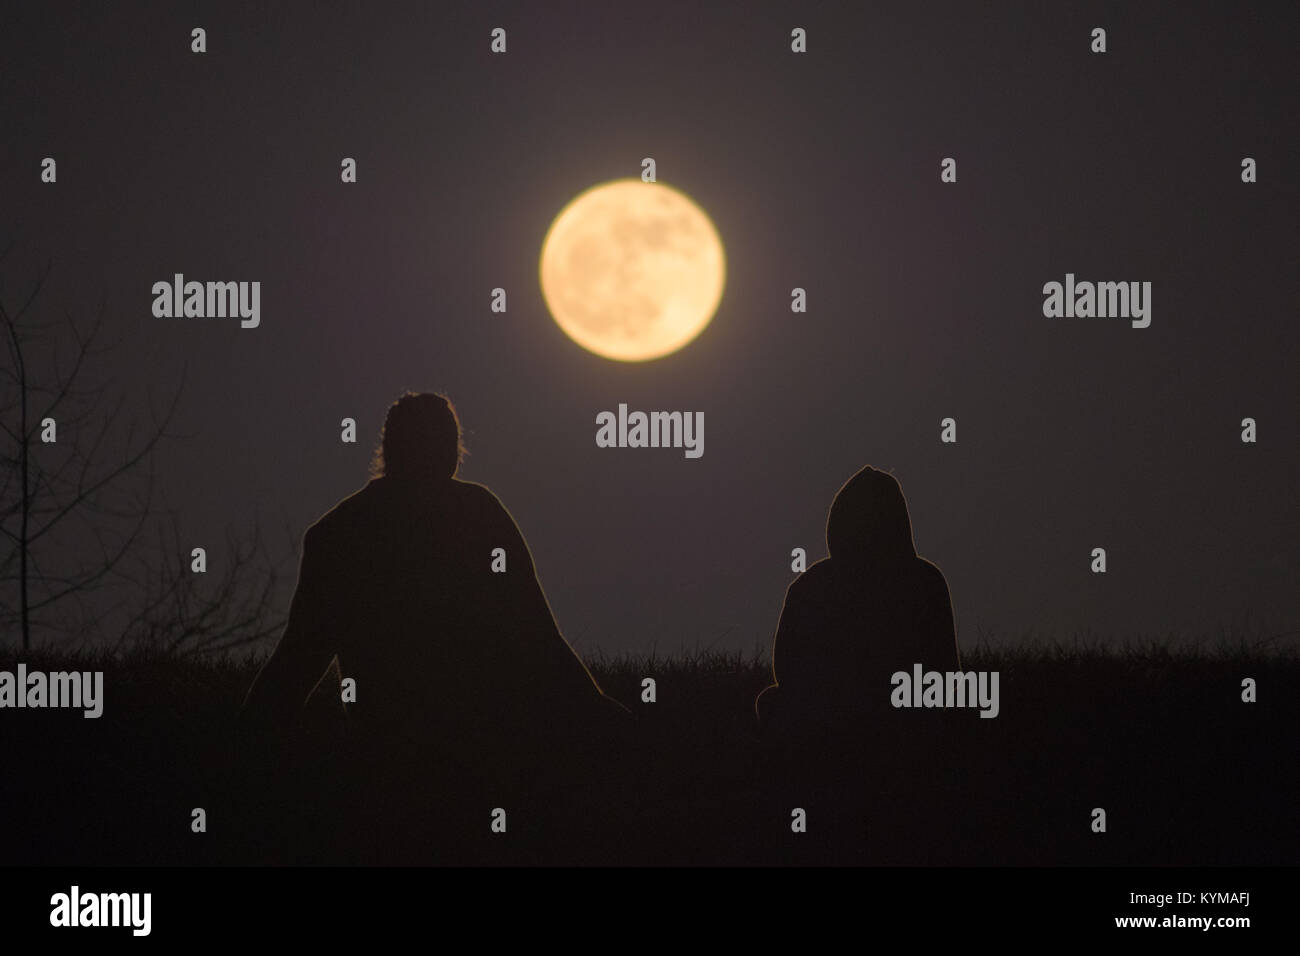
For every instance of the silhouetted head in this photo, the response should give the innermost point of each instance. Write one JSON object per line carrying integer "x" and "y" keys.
{"x": 421, "y": 439}
{"x": 868, "y": 523}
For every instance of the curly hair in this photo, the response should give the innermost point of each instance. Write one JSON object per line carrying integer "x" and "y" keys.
{"x": 421, "y": 437}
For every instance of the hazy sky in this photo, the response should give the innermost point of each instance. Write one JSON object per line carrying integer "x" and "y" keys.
{"x": 819, "y": 170}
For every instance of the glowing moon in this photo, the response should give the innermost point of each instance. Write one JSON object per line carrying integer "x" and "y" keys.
{"x": 632, "y": 270}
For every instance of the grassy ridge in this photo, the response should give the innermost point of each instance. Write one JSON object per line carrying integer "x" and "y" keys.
{"x": 1159, "y": 738}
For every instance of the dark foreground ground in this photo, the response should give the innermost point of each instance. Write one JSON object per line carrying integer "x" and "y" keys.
{"x": 1187, "y": 773}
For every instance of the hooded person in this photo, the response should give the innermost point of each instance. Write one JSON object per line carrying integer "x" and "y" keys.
{"x": 873, "y": 607}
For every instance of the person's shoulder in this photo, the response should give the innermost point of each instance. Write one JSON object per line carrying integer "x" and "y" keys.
{"x": 472, "y": 490}
{"x": 819, "y": 576}
{"x": 931, "y": 574}
{"x": 481, "y": 504}
{"x": 346, "y": 510}
{"x": 472, "y": 494}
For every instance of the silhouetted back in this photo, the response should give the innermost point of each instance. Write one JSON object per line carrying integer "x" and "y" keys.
{"x": 467, "y": 697}
{"x": 397, "y": 580}
{"x": 851, "y": 620}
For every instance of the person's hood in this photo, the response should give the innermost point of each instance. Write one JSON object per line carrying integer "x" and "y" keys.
{"x": 868, "y": 522}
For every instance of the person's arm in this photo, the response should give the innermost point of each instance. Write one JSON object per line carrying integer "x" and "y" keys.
{"x": 306, "y": 648}
{"x": 793, "y": 647}
{"x": 550, "y": 663}
{"x": 936, "y": 625}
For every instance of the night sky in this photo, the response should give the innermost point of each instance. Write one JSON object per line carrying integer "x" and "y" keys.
{"x": 820, "y": 170}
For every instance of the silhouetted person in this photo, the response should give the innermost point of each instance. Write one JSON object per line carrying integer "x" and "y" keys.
{"x": 851, "y": 620}
{"x": 423, "y": 588}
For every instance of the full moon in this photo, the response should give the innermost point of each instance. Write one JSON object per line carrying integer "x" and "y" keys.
{"x": 632, "y": 270}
